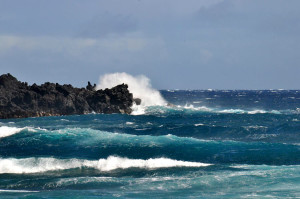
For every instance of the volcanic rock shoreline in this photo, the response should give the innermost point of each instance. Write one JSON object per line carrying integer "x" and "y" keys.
{"x": 19, "y": 100}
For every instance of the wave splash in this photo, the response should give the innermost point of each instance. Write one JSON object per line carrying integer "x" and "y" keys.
{"x": 139, "y": 86}
{"x": 6, "y": 131}
{"x": 36, "y": 165}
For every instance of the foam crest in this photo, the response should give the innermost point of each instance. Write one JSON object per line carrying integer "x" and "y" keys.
{"x": 241, "y": 111}
{"x": 17, "y": 191}
{"x": 6, "y": 131}
{"x": 113, "y": 162}
{"x": 36, "y": 165}
{"x": 256, "y": 111}
{"x": 200, "y": 108}
{"x": 139, "y": 86}
{"x": 233, "y": 111}
{"x": 226, "y": 111}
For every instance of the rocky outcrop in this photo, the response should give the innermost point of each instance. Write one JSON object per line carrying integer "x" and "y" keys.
{"x": 19, "y": 100}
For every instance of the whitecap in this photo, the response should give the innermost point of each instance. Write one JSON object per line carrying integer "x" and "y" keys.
{"x": 256, "y": 111}
{"x": 17, "y": 191}
{"x": 64, "y": 120}
{"x": 197, "y": 102}
{"x": 112, "y": 163}
{"x": 37, "y": 165}
{"x": 232, "y": 111}
{"x": 200, "y": 108}
{"x": 275, "y": 112}
{"x": 6, "y": 131}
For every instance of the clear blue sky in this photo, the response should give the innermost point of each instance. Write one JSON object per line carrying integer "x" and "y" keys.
{"x": 190, "y": 44}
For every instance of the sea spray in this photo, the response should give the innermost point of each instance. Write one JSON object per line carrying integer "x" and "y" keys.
{"x": 139, "y": 86}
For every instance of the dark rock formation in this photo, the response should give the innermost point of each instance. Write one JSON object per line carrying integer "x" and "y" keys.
{"x": 19, "y": 100}
{"x": 137, "y": 101}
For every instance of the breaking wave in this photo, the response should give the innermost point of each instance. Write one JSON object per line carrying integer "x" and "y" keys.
{"x": 37, "y": 165}
{"x": 140, "y": 86}
{"x": 6, "y": 131}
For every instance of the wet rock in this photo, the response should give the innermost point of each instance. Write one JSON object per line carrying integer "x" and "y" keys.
{"x": 137, "y": 101}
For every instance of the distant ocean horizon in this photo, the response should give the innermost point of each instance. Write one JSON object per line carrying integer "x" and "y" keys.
{"x": 178, "y": 144}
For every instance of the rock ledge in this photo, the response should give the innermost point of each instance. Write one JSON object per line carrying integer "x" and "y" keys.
{"x": 19, "y": 100}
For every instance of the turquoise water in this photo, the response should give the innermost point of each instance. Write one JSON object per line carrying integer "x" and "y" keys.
{"x": 210, "y": 144}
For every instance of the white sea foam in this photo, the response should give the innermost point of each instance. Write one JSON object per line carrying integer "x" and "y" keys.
{"x": 197, "y": 102}
{"x": 6, "y": 131}
{"x": 17, "y": 191}
{"x": 113, "y": 162}
{"x": 256, "y": 111}
{"x": 200, "y": 108}
{"x": 241, "y": 111}
{"x": 275, "y": 112}
{"x": 217, "y": 110}
{"x": 64, "y": 120}
{"x": 232, "y": 111}
{"x": 36, "y": 165}
{"x": 138, "y": 109}
{"x": 139, "y": 86}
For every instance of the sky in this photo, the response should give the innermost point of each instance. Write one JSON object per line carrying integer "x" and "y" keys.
{"x": 190, "y": 44}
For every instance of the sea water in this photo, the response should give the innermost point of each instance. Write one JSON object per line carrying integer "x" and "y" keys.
{"x": 206, "y": 144}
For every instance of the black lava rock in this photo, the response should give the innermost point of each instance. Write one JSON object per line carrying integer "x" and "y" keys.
{"x": 19, "y": 100}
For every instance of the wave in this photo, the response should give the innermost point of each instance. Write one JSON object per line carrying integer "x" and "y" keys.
{"x": 92, "y": 144}
{"x": 17, "y": 191}
{"x": 241, "y": 111}
{"x": 232, "y": 110}
{"x": 90, "y": 136}
{"x": 37, "y": 165}
{"x": 204, "y": 109}
{"x": 6, "y": 131}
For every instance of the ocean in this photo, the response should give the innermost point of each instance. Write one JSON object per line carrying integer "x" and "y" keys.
{"x": 204, "y": 144}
